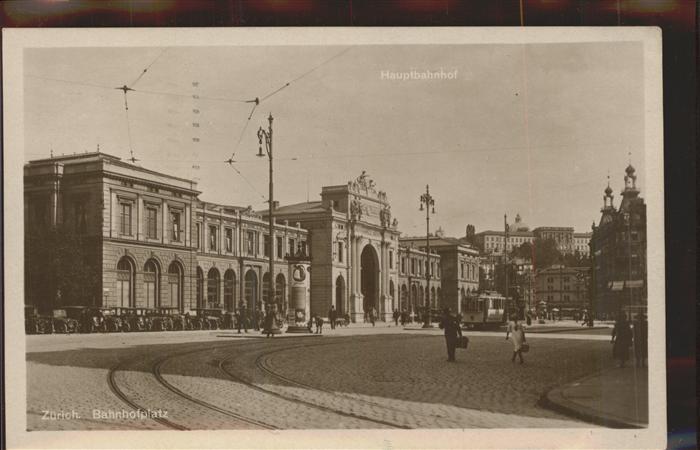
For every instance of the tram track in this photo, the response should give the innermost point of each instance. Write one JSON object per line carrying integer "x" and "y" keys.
{"x": 155, "y": 371}
{"x": 260, "y": 364}
{"x": 121, "y": 395}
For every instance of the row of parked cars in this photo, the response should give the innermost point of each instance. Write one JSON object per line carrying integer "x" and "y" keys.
{"x": 90, "y": 319}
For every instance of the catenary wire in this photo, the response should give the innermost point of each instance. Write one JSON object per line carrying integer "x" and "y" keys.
{"x": 133, "y": 83}
{"x": 308, "y": 72}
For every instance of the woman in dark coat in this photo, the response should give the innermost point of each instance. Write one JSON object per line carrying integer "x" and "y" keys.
{"x": 621, "y": 340}
{"x": 268, "y": 323}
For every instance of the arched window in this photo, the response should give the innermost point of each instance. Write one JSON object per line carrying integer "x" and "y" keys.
{"x": 213, "y": 288}
{"x": 125, "y": 282}
{"x": 230, "y": 290}
{"x": 151, "y": 280}
{"x": 200, "y": 288}
{"x": 175, "y": 282}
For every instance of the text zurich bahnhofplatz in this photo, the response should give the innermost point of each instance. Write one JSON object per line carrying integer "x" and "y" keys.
{"x": 414, "y": 74}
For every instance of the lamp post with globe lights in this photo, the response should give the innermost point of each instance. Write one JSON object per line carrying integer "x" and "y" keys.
{"x": 427, "y": 201}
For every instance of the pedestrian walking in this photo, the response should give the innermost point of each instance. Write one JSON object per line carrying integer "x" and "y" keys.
{"x": 396, "y": 317}
{"x": 310, "y": 324}
{"x": 453, "y": 332}
{"x": 241, "y": 320}
{"x": 319, "y": 325}
{"x": 371, "y": 316}
{"x": 404, "y": 317}
{"x": 640, "y": 340}
{"x": 621, "y": 340}
{"x": 268, "y": 323}
{"x": 517, "y": 332}
{"x": 332, "y": 315}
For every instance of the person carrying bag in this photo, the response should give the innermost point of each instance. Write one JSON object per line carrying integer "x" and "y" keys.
{"x": 453, "y": 333}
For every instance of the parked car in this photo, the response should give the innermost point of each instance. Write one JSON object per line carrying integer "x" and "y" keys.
{"x": 34, "y": 323}
{"x": 206, "y": 319}
{"x": 163, "y": 318}
{"x": 132, "y": 319}
{"x": 112, "y": 321}
{"x": 67, "y": 319}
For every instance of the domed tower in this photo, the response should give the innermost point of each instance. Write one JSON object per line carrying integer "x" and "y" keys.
{"x": 519, "y": 225}
{"x": 608, "y": 197}
{"x": 630, "y": 193}
{"x": 608, "y": 209}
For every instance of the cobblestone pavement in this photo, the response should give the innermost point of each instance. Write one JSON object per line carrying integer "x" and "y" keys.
{"x": 363, "y": 381}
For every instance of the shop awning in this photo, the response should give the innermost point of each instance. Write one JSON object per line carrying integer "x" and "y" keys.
{"x": 629, "y": 284}
{"x": 616, "y": 285}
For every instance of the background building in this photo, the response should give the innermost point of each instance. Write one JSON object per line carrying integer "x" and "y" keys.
{"x": 562, "y": 236}
{"x": 564, "y": 290}
{"x": 492, "y": 242}
{"x": 618, "y": 252}
{"x": 459, "y": 269}
{"x": 413, "y": 283}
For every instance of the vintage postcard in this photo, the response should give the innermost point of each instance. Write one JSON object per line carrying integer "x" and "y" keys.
{"x": 334, "y": 238}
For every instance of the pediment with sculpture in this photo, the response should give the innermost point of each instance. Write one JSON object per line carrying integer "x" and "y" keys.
{"x": 366, "y": 186}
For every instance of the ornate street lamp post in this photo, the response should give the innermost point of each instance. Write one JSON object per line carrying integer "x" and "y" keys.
{"x": 427, "y": 200}
{"x": 271, "y": 306}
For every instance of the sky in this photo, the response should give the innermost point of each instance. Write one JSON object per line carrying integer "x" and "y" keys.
{"x": 533, "y": 129}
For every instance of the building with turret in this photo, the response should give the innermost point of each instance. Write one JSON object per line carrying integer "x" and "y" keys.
{"x": 619, "y": 252}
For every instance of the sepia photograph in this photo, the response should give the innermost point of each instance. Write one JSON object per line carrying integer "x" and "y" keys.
{"x": 416, "y": 237}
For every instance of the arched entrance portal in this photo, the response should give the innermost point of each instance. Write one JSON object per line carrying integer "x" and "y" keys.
{"x": 340, "y": 295}
{"x": 369, "y": 278}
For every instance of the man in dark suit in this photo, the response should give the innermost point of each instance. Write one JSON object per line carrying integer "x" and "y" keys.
{"x": 332, "y": 316}
{"x": 453, "y": 332}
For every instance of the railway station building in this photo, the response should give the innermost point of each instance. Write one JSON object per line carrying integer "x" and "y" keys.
{"x": 139, "y": 238}
{"x": 354, "y": 249}
{"x": 126, "y": 236}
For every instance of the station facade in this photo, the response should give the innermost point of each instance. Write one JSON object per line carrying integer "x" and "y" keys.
{"x": 145, "y": 239}
{"x": 354, "y": 247}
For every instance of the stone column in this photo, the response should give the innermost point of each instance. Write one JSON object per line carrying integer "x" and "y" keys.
{"x": 383, "y": 283}
{"x": 356, "y": 287}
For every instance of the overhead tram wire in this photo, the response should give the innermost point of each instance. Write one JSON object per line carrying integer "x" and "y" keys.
{"x": 126, "y": 89}
{"x": 128, "y": 131}
{"x": 133, "y": 83}
{"x": 308, "y": 72}
{"x": 259, "y": 100}
{"x": 139, "y": 91}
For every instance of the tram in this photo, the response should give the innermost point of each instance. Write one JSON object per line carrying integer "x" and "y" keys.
{"x": 487, "y": 310}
